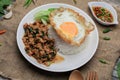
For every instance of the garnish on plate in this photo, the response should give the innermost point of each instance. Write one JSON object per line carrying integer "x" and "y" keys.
{"x": 43, "y": 15}
{"x": 106, "y": 38}
{"x": 107, "y": 30}
{"x": 103, "y": 61}
{"x": 103, "y": 14}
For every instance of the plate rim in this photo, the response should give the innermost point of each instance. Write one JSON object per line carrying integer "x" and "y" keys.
{"x": 17, "y": 37}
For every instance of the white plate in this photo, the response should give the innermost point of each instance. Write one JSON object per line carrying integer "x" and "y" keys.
{"x": 71, "y": 61}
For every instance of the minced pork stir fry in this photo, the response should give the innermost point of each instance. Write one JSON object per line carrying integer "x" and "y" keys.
{"x": 38, "y": 44}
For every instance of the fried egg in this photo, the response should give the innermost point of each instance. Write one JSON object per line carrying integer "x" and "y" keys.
{"x": 70, "y": 26}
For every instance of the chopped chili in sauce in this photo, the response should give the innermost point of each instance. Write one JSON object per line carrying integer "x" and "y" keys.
{"x": 103, "y": 14}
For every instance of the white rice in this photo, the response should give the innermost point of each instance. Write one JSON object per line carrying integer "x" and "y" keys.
{"x": 65, "y": 48}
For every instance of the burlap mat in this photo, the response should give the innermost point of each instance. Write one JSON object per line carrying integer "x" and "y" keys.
{"x": 13, "y": 64}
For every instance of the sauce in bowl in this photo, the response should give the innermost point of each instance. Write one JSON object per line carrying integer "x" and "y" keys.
{"x": 103, "y": 14}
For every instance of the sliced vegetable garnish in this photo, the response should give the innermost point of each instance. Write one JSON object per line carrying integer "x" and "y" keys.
{"x": 44, "y": 21}
{"x": 44, "y": 15}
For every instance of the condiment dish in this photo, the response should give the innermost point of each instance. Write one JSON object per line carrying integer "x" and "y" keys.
{"x": 107, "y": 7}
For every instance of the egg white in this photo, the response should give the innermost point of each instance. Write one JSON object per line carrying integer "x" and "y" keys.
{"x": 66, "y": 16}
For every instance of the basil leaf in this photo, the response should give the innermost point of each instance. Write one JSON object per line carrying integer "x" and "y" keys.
{"x": 1, "y": 10}
{"x": 1, "y": 14}
{"x": 6, "y": 2}
{"x": 30, "y": 29}
{"x": 3, "y": 5}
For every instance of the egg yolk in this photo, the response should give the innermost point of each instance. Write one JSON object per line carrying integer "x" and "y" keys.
{"x": 69, "y": 28}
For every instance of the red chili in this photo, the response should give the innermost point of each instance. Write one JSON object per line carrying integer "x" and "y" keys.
{"x": 2, "y": 31}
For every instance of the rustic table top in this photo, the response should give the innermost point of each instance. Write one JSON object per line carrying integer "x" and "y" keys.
{"x": 16, "y": 67}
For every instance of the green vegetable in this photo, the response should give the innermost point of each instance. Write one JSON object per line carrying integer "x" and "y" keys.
{"x": 103, "y": 61}
{"x": 27, "y": 3}
{"x": 3, "y": 5}
{"x": 37, "y": 31}
{"x": 42, "y": 34}
{"x": 43, "y": 15}
{"x": 44, "y": 21}
{"x": 108, "y": 14}
{"x": 106, "y": 38}
{"x": 1, "y": 14}
{"x": 75, "y": 2}
{"x": 118, "y": 70}
{"x": 0, "y": 44}
{"x": 102, "y": 9}
{"x": 109, "y": 19}
{"x": 107, "y": 30}
{"x": 1, "y": 9}
{"x": 30, "y": 29}
{"x": 49, "y": 63}
{"x": 5, "y": 2}
{"x": 34, "y": 35}
{"x": 51, "y": 9}
{"x": 98, "y": 15}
